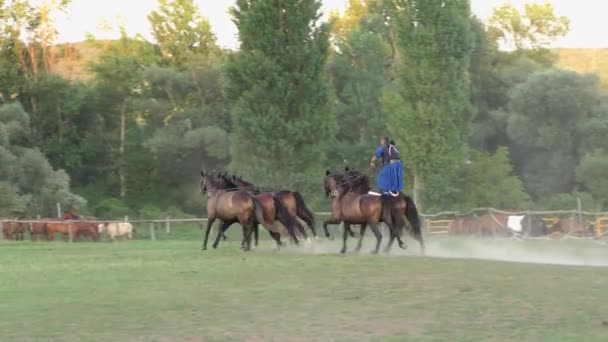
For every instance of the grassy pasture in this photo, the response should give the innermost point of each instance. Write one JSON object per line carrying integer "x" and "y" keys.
{"x": 172, "y": 291}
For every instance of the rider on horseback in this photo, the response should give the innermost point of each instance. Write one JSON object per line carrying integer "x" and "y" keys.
{"x": 390, "y": 178}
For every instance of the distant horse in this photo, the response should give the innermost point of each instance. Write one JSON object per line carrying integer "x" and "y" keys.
{"x": 293, "y": 202}
{"x": 572, "y": 225}
{"x": 464, "y": 225}
{"x": 233, "y": 206}
{"x": 358, "y": 183}
{"x": 353, "y": 208}
{"x": 14, "y": 229}
{"x": 78, "y": 228}
{"x": 116, "y": 229}
{"x": 272, "y": 208}
{"x": 508, "y": 224}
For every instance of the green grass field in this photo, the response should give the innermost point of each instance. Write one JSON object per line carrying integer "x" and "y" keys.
{"x": 170, "y": 290}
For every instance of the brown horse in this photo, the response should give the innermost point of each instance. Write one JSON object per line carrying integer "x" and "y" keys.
{"x": 272, "y": 208}
{"x": 364, "y": 209}
{"x": 358, "y": 183}
{"x": 233, "y": 206}
{"x": 14, "y": 229}
{"x": 573, "y": 226}
{"x": 78, "y": 228}
{"x": 293, "y": 202}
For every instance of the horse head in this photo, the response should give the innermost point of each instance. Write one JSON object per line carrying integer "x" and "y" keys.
{"x": 207, "y": 182}
{"x": 331, "y": 183}
{"x": 70, "y": 215}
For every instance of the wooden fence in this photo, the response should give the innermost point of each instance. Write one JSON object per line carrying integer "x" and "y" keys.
{"x": 433, "y": 224}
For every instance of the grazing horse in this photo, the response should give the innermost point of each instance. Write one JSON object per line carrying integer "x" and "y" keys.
{"x": 353, "y": 208}
{"x": 293, "y": 202}
{"x": 272, "y": 208}
{"x": 359, "y": 183}
{"x": 233, "y": 206}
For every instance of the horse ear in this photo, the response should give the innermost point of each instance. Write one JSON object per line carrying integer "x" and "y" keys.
{"x": 327, "y": 173}
{"x": 346, "y": 169}
{"x": 233, "y": 177}
{"x": 202, "y": 174}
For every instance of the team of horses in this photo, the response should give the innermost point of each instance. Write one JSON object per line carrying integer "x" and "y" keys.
{"x": 232, "y": 199}
{"x": 69, "y": 223}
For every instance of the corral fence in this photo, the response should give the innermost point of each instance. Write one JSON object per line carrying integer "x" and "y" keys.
{"x": 477, "y": 222}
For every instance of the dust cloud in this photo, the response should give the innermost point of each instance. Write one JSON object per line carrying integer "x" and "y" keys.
{"x": 557, "y": 252}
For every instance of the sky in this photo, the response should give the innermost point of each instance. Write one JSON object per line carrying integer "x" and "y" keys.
{"x": 588, "y": 25}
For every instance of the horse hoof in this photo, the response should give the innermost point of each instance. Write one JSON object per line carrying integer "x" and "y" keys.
{"x": 343, "y": 251}
{"x": 375, "y": 251}
{"x": 214, "y": 246}
{"x": 308, "y": 240}
{"x": 204, "y": 248}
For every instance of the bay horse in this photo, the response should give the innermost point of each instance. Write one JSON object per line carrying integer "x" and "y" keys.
{"x": 365, "y": 209}
{"x": 292, "y": 200}
{"x": 78, "y": 228}
{"x": 230, "y": 207}
{"x": 359, "y": 183}
{"x": 272, "y": 208}
{"x": 14, "y": 228}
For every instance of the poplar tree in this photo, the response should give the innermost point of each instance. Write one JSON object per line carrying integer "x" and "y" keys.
{"x": 278, "y": 91}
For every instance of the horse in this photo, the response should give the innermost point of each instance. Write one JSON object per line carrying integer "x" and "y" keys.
{"x": 230, "y": 207}
{"x": 359, "y": 183}
{"x": 508, "y": 224}
{"x": 116, "y": 229}
{"x": 572, "y": 225}
{"x": 14, "y": 228}
{"x": 78, "y": 228}
{"x": 293, "y": 201}
{"x": 353, "y": 208}
{"x": 464, "y": 225}
{"x": 272, "y": 208}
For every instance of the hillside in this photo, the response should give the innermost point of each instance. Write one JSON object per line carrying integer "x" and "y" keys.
{"x": 585, "y": 61}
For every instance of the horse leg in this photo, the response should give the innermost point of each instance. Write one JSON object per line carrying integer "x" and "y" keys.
{"x": 332, "y": 220}
{"x": 220, "y": 233}
{"x": 277, "y": 238}
{"x": 344, "y": 238}
{"x": 376, "y": 232}
{"x": 210, "y": 221}
{"x": 256, "y": 234}
{"x": 362, "y": 233}
{"x": 391, "y": 240}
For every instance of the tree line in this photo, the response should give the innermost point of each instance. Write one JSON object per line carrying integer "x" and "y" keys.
{"x": 480, "y": 112}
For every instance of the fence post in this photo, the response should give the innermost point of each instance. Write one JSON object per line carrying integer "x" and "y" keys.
{"x": 58, "y": 210}
{"x": 1, "y": 231}
{"x": 529, "y": 223}
{"x": 167, "y": 225}
{"x": 70, "y": 233}
{"x": 152, "y": 232}
{"x": 572, "y": 222}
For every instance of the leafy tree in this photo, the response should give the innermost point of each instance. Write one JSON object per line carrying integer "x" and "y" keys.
{"x": 118, "y": 76}
{"x": 430, "y": 113}
{"x": 278, "y": 91}
{"x": 548, "y": 127}
{"x": 180, "y": 30}
{"x": 489, "y": 180}
{"x": 529, "y": 32}
{"x": 360, "y": 69}
{"x": 592, "y": 173}
{"x": 28, "y": 182}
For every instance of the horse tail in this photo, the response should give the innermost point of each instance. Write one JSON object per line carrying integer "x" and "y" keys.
{"x": 258, "y": 210}
{"x": 305, "y": 213}
{"x": 411, "y": 212}
{"x": 284, "y": 217}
